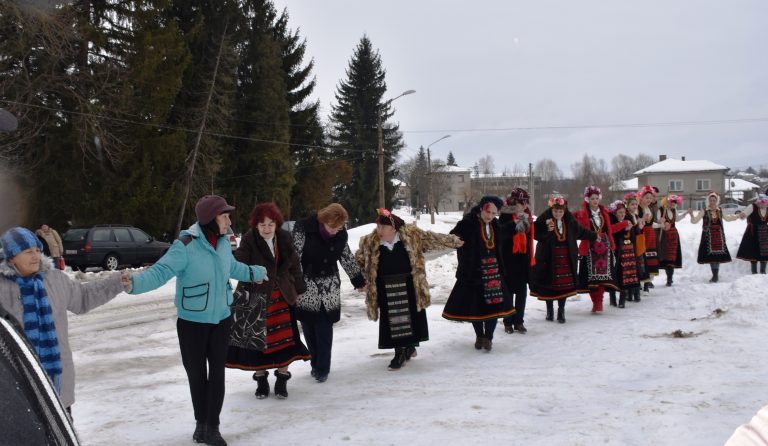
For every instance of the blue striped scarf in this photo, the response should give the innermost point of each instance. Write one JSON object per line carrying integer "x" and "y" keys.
{"x": 39, "y": 326}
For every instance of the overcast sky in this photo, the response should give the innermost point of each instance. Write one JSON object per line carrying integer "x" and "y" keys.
{"x": 516, "y": 64}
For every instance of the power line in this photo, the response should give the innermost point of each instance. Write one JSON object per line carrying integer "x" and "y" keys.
{"x": 182, "y": 129}
{"x": 600, "y": 126}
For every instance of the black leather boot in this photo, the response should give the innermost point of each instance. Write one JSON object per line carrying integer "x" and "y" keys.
{"x": 670, "y": 273}
{"x": 262, "y": 390}
{"x": 762, "y": 267}
{"x": 754, "y": 267}
{"x": 400, "y": 358}
{"x": 281, "y": 384}
{"x": 213, "y": 436}
{"x": 714, "y": 276}
{"x": 622, "y": 298}
{"x": 199, "y": 435}
{"x": 636, "y": 292}
{"x": 561, "y": 315}
{"x": 646, "y": 286}
{"x": 612, "y": 295}
{"x": 550, "y": 311}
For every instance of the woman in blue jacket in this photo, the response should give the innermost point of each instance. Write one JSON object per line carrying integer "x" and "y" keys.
{"x": 202, "y": 262}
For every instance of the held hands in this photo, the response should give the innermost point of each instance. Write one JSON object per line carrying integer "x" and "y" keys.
{"x": 125, "y": 280}
{"x": 460, "y": 243}
{"x": 667, "y": 225}
{"x": 550, "y": 225}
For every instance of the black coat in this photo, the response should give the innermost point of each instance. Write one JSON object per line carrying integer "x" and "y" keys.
{"x": 319, "y": 262}
{"x": 286, "y": 274}
{"x": 517, "y": 265}
{"x": 543, "y": 272}
{"x": 468, "y": 255}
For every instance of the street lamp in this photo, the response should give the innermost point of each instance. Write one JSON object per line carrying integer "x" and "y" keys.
{"x": 381, "y": 146}
{"x": 429, "y": 175}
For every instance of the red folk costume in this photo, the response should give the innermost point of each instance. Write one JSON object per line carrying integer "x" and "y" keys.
{"x": 597, "y": 265}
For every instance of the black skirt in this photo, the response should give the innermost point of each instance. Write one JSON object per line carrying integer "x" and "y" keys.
{"x": 400, "y": 324}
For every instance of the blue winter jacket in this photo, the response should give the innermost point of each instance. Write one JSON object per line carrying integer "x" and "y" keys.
{"x": 203, "y": 290}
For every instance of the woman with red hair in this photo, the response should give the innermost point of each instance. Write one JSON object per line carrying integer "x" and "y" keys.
{"x": 262, "y": 340}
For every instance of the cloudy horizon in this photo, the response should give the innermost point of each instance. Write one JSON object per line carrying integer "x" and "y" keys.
{"x": 522, "y": 81}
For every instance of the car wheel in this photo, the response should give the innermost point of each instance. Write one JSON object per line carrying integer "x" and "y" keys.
{"x": 111, "y": 262}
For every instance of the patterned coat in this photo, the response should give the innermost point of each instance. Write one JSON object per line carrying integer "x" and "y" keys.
{"x": 319, "y": 263}
{"x": 416, "y": 242}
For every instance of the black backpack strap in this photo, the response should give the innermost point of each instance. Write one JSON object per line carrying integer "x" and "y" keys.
{"x": 186, "y": 239}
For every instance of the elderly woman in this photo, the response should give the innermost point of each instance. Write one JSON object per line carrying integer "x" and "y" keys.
{"x": 754, "y": 243}
{"x": 321, "y": 242}
{"x": 202, "y": 262}
{"x": 39, "y": 296}
{"x": 392, "y": 261}
{"x": 553, "y": 278}
{"x": 268, "y": 245}
{"x": 712, "y": 247}
{"x": 480, "y": 294}
{"x": 670, "y": 254}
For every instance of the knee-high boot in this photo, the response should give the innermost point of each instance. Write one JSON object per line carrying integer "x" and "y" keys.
{"x": 762, "y": 267}
{"x": 550, "y": 310}
{"x": 612, "y": 295}
{"x": 622, "y": 297}
{"x": 670, "y": 273}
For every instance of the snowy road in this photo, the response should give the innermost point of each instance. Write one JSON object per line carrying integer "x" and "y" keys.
{"x": 619, "y": 378}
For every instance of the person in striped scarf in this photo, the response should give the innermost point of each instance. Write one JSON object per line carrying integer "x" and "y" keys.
{"x": 39, "y": 296}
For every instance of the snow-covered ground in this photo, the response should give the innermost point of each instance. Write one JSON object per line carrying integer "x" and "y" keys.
{"x": 619, "y": 378}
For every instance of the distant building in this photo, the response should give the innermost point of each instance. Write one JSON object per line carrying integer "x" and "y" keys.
{"x": 451, "y": 188}
{"x": 692, "y": 180}
{"x": 740, "y": 190}
{"x": 501, "y": 184}
{"x": 402, "y": 193}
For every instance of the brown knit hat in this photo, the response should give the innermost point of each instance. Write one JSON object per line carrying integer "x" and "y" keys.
{"x": 211, "y": 206}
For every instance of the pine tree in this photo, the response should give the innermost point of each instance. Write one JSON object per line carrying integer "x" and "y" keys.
{"x": 360, "y": 102}
{"x": 261, "y": 168}
{"x": 450, "y": 161}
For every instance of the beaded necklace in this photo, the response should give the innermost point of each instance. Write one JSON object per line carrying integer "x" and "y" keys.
{"x": 490, "y": 243}
{"x": 561, "y": 237}
{"x": 602, "y": 222}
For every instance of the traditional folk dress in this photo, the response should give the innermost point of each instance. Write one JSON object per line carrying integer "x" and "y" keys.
{"x": 400, "y": 323}
{"x": 554, "y": 275}
{"x": 670, "y": 253}
{"x": 283, "y": 342}
{"x": 754, "y": 243}
{"x": 712, "y": 247}
{"x": 627, "y": 268}
{"x": 480, "y": 293}
{"x": 597, "y": 266}
{"x": 651, "y": 255}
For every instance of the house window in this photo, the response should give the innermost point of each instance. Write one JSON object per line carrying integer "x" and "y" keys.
{"x": 675, "y": 185}
{"x": 699, "y": 204}
{"x": 702, "y": 185}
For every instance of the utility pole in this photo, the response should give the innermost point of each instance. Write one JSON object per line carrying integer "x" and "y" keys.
{"x": 381, "y": 145}
{"x": 429, "y": 187}
{"x": 530, "y": 185}
{"x": 381, "y": 164}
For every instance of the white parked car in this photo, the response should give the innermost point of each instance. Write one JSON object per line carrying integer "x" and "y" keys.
{"x": 732, "y": 208}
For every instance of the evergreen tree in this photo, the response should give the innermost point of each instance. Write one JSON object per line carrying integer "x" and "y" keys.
{"x": 261, "y": 168}
{"x": 360, "y": 104}
{"x": 450, "y": 161}
{"x": 316, "y": 174}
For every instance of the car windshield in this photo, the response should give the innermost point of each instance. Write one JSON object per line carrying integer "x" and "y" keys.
{"x": 75, "y": 235}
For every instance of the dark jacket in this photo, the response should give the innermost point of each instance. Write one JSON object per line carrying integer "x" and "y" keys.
{"x": 468, "y": 228}
{"x": 286, "y": 274}
{"x": 543, "y": 272}
{"x": 319, "y": 263}
{"x": 518, "y": 265}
